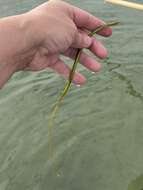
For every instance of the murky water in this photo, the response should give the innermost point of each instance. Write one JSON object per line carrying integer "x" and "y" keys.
{"x": 98, "y": 134}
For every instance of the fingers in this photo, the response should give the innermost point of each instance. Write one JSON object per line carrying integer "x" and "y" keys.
{"x": 83, "y": 19}
{"x": 61, "y": 68}
{"x": 81, "y": 40}
{"x": 85, "y": 60}
{"x": 98, "y": 49}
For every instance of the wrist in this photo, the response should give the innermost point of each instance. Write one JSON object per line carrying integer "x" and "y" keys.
{"x": 15, "y": 37}
{"x": 16, "y": 47}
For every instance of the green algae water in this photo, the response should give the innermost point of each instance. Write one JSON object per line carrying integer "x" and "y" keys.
{"x": 98, "y": 132}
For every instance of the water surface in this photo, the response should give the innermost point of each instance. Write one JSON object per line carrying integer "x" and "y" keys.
{"x": 98, "y": 134}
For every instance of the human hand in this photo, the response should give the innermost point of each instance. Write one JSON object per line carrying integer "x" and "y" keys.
{"x": 57, "y": 28}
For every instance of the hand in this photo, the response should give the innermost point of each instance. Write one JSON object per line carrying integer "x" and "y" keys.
{"x": 57, "y": 28}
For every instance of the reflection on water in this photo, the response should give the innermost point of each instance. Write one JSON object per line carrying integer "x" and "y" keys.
{"x": 98, "y": 132}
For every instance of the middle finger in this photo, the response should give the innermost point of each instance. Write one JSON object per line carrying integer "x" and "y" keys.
{"x": 84, "y": 59}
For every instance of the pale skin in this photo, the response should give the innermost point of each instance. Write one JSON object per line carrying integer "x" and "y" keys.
{"x": 35, "y": 40}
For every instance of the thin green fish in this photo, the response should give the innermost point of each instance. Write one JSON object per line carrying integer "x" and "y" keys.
{"x": 68, "y": 85}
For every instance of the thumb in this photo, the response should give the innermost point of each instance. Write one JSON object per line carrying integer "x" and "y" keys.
{"x": 82, "y": 40}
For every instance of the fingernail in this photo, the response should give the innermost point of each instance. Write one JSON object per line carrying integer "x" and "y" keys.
{"x": 78, "y": 85}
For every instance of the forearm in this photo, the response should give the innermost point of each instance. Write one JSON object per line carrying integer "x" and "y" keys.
{"x": 14, "y": 37}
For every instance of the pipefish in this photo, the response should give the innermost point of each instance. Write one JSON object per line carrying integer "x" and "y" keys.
{"x": 68, "y": 85}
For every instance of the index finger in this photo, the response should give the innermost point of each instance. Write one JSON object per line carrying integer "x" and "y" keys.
{"x": 83, "y": 19}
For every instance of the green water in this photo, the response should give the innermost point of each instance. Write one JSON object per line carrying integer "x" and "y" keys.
{"x": 98, "y": 134}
